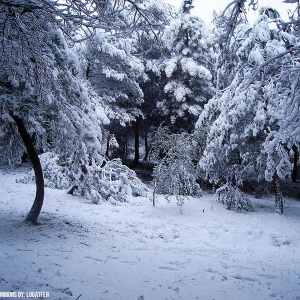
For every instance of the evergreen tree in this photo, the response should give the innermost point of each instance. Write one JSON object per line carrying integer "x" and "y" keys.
{"x": 152, "y": 52}
{"x": 41, "y": 94}
{"x": 115, "y": 73}
{"x": 244, "y": 117}
{"x": 44, "y": 99}
{"x": 187, "y": 70}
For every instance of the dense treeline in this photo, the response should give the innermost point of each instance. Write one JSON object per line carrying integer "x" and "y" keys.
{"x": 106, "y": 82}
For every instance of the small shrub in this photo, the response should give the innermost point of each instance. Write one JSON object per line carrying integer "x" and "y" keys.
{"x": 175, "y": 173}
{"x": 233, "y": 198}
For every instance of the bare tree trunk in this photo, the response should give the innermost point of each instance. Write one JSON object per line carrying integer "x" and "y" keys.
{"x": 107, "y": 146}
{"x": 295, "y": 167}
{"x": 88, "y": 69}
{"x": 39, "y": 178}
{"x": 146, "y": 148}
{"x": 135, "y": 161}
{"x": 278, "y": 194}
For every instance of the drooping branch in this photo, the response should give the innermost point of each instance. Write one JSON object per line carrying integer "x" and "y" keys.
{"x": 267, "y": 62}
{"x": 88, "y": 15}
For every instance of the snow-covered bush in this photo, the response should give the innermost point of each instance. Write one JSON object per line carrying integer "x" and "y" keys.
{"x": 175, "y": 173}
{"x": 112, "y": 182}
{"x": 233, "y": 198}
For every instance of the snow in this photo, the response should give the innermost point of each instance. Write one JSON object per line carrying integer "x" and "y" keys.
{"x": 132, "y": 250}
{"x": 170, "y": 66}
{"x": 180, "y": 91}
{"x": 110, "y": 73}
{"x": 256, "y": 57}
{"x": 190, "y": 66}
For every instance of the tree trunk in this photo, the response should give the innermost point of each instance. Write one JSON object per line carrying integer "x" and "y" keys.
{"x": 39, "y": 178}
{"x": 278, "y": 194}
{"x": 135, "y": 161}
{"x": 107, "y": 146}
{"x": 88, "y": 70}
{"x": 295, "y": 167}
{"x": 146, "y": 148}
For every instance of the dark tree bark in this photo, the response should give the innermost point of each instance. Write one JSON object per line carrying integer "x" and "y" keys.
{"x": 146, "y": 148}
{"x": 107, "y": 146}
{"x": 295, "y": 167}
{"x": 39, "y": 178}
{"x": 88, "y": 70}
{"x": 135, "y": 161}
{"x": 278, "y": 194}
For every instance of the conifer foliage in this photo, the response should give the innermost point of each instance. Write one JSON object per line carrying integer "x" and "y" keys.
{"x": 188, "y": 69}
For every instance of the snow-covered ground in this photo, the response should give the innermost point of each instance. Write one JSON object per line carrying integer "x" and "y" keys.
{"x": 136, "y": 251}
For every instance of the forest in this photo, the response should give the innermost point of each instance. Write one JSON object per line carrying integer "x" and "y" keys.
{"x": 96, "y": 86}
{"x": 130, "y": 128}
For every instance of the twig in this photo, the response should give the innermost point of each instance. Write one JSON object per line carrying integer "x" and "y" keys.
{"x": 107, "y": 259}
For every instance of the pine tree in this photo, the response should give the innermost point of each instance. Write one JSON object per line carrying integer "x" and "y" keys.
{"x": 245, "y": 116}
{"x": 187, "y": 71}
{"x": 41, "y": 94}
{"x": 44, "y": 99}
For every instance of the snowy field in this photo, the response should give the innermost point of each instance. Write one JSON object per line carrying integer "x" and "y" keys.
{"x": 135, "y": 251}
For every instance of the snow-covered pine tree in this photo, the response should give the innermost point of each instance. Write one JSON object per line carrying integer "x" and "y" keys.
{"x": 115, "y": 73}
{"x": 243, "y": 116}
{"x": 115, "y": 66}
{"x": 282, "y": 142}
{"x": 152, "y": 52}
{"x": 41, "y": 94}
{"x": 44, "y": 100}
{"x": 187, "y": 70}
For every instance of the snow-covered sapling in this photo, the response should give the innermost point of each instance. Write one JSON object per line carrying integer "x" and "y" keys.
{"x": 175, "y": 173}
